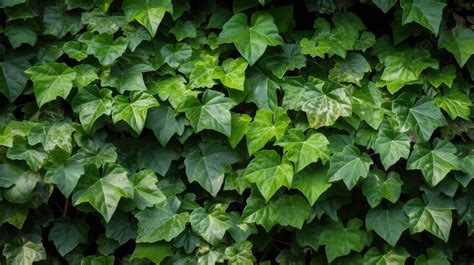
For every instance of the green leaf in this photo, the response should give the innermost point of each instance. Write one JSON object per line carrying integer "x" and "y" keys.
{"x": 35, "y": 157}
{"x": 183, "y": 30}
{"x": 265, "y": 126}
{"x": 24, "y": 250}
{"x": 19, "y": 183}
{"x": 75, "y": 50}
{"x": 251, "y": 40}
{"x": 91, "y": 103}
{"x": 445, "y": 76}
{"x": 174, "y": 55}
{"x": 291, "y": 210}
{"x": 455, "y": 103}
{"x": 14, "y": 214}
{"x": 367, "y": 103}
{"x": 312, "y": 182}
{"x": 433, "y": 257}
{"x": 269, "y": 172}
{"x": 129, "y": 79}
{"x": 258, "y": 211}
{"x": 146, "y": 193}
{"x": 101, "y": 260}
{"x": 322, "y": 106}
{"x": 58, "y": 22}
{"x": 65, "y": 176}
{"x": 384, "y": 5}
{"x": 388, "y": 223}
{"x": 303, "y": 150}
{"x": 213, "y": 112}
{"x": 288, "y": 58}
{"x": 459, "y": 42}
{"x": 104, "y": 192}
{"x": 352, "y": 69}
{"x": 19, "y": 33}
{"x": 105, "y": 48}
{"x": 240, "y": 124}
{"x": 207, "y": 163}
{"x": 349, "y": 165}
{"x": 85, "y": 74}
{"x": 261, "y": 89}
{"x": 67, "y": 235}
{"x": 234, "y": 73}
{"x": 149, "y": 13}
{"x": 339, "y": 240}
{"x": 419, "y": 115}
{"x": 434, "y": 217}
{"x": 379, "y": 185}
{"x": 427, "y": 13}
{"x": 12, "y": 77}
{"x": 162, "y": 120}
{"x": 211, "y": 225}
{"x": 121, "y": 228}
{"x": 8, "y": 3}
{"x": 391, "y": 145}
{"x": 404, "y": 68}
{"x": 134, "y": 110}
{"x": 394, "y": 256}
{"x": 174, "y": 90}
{"x": 161, "y": 222}
{"x": 52, "y": 136}
{"x": 435, "y": 163}
{"x": 240, "y": 254}
{"x": 51, "y": 80}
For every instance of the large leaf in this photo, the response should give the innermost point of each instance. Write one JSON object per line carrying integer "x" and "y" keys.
{"x": 435, "y": 163}
{"x": 146, "y": 192}
{"x": 68, "y": 234}
{"x": 240, "y": 254}
{"x": 323, "y": 106}
{"x": 105, "y": 48}
{"x": 51, "y": 80}
{"x": 389, "y": 223}
{"x": 269, "y": 172}
{"x": 91, "y": 103}
{"x": 149, "y": 13}
{"x": 312, "y": 182}
{"x": 291, "y": 210}
{"x": 455, "y": 103}
{"x": 349, "y": 165}
{"x": 427, "y": 13}
{"x": 210, "y": 225}
{"x": 459, "y": 42}
{"x": 12, "y": 77}
{"x": 352, "y": 69}
{"x": 65, "y": 176}
{"x": 134, "y": 110}
{"x": 367, "y": 104}
{"x": 251, "y": 40}
{"x": 394, "y": 256}
{"x": 24, "y": 250}
{"x": 379, "y": 185}
{"x": 391, "y": 145}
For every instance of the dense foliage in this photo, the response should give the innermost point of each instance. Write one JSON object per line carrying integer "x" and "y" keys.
{"x": 244, "y": 132}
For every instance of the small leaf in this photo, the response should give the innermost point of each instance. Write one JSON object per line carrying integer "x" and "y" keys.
{"x": 24, "y": 250}
{"x": 149, "y": 13}
{"x": 389, "y": 223}
{"x": 349, "y": 165}
{"x": 211, "y": 225}
{"x": 91, "y": 103}
{"x": 455, "y": 103}
{"x": 391, "y": 145}
{"x": 106, "y": 49}
{"x": 427, "y": 13}
{"x": 379, "y": 185}
{"x": 312, "y": 182}
{"x": 240, "y": 254}
{"x": 67, "y": 234}
{"x": 352, "y": 69}
{"x": 134, "y": 110}
{"x": 459, "y": 42}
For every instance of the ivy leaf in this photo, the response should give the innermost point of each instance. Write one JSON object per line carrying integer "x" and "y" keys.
{"x": 58, "y": 22}
{"x": 434, "y": 216}
{"x": 91, "y": 103}
{"x": 291, "y": 210}
{"x": 13, "y": 214}
{"x": 174, "y": 55}
{"x": 173, "y": 89}
{"x": 100, "y": 260}
{"x": 121, "y": 228}
{"x": 104, "y": 192}
{"x": 434, "y": 256}
{"x": 19, "y": 183}
{"x": 134, "y": 110}
{"x": 65, "y": 176}
{"x": 234, "y": 73}
{"x": 24, "y": 250}
{"x": 35, "y": 157}
{"x": 419, "y": 115}
{"x": 384, "y": 5}
{"x": 146, "y": 193}
{"x": 312, "y": 182}
{"x": 156, "y": 252}
{"x": 379, "y": 185}
{"x": 288, "y": 58}
{"x": 251, "y": 40}
{"x": 68, "y": 234}
{"x": 349, "y": 165}
{"x": 391, "y": 145}
{"x": 75, "y": 50}
{"x": 445, "y": 76}
{"x": 129, "y": 79}
{"x": 455, "y": 103}
{"x": 12, "y": 77}
{"x": 459, "y": 42}
{"x": 161, "y": 222}
{"x": 367, "y": 103}
{"x": 303, "y": 150}
{"x": 322, "y": 107}
{"x": 394, "y": 256}
{"x": 240, "y": 254}
{"x": 51, "y": 80}
{"x": 352, "y": 69}
{"x": 183, "y": 30}
{"x": 435, "y": 163}
{"x": 262, "y": 89}
{"x": 269, "y": 172}
{"x": 211, "y": 225}
{"x": 162, "y": 120}
{"x": 212, "y": 113}
{"x": 339, "y": 240}
{"x": 424, "y": 12}
{"x": 207, "y": 163}
{"x": 149, "y": 13}
{"x": 264, "y": 127}
{"x": 258, "y": 211}
{"x": 389, "y": 223}
{"x": 240, "y": 124}
{"x": 105, "y": 48}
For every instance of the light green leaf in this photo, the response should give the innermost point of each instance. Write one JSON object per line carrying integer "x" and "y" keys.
{"x": 322, "y": 105}
{"x": 35, "y": 157}
{"x": 51, "y": 80}
{"x": 105, "y": 48}
{"x": 393, "y": 256}
{"x": 128, "y": 79}
{"x": 251, "y": 40}
{"x": 435, "y": 163}
{"x": 75, "y": 50}
{"x": 161, "y": 222}
{"x": 65, "y": 176}
{"x": 24, "y": 250}
{"x": 240, "y": 254}
{"x": 455, "y": 103}
{"x": 388, "y": 223}
{"x": 104, "y": 192}
{"x": 212, "y": 113}
{"x": 367, "y": 104}
{"x": 312, "y": 182}
{"x": 269, "y": 172}
{"x": 52, "y": 136}
{"x": 174, "y": 55}
{"x": 352, "y": 69}
{"x": 85, "y": 74}
{"x": 427, "y": 13}
{"x": 19, "y": 183}
{"x": 391, "y": 145}
{"x": 211, "y": 225}
{"x": 68, "y": 234}
{"x": 444, "y": 76}
{"x": 156, "y": 252}
{"x": 379, "y": 185}
{"x": 207, "y": 163}
{"x": 240, "y": 124}
{"x": 173, "y": 89}
{"x": 91, "y": 103}
{"x": 349, "y": 165}
{"x": 234, "y": 73}
{"x": 303, "y": 150}
{"x": 149, "y": 13}
{"x": 134, "y": 110}
{"x": 264, "y": 127}
{"x": 258, "y": 211}
{"x": 146, "y": 193}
